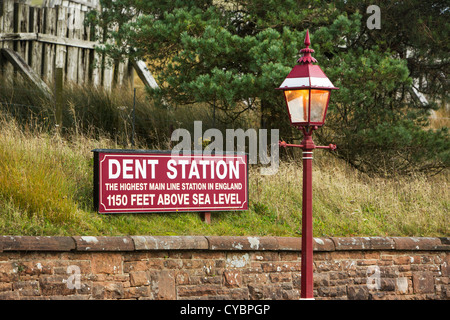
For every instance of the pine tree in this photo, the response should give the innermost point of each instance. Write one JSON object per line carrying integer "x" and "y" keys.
{"x": 233, "y": 54}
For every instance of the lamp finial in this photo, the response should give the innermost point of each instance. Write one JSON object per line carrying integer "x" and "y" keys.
{"x": 307, "y": 58}
{"x": 307, "y": 41}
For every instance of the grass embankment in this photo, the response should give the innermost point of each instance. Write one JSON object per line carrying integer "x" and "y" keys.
{"x": 46, "y": 189}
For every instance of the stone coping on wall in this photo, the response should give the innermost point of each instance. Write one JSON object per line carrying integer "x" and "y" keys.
{"x": 218, "y": 243}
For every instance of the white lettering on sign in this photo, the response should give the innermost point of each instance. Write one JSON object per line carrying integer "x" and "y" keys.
{"x": 131, "y": 169}
{"x": 203, "y": 169}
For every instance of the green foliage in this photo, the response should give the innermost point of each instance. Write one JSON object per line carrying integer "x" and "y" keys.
{"x": 232, "y": 54}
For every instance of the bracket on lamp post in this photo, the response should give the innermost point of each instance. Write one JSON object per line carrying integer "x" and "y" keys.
{"x": 284, "y": 145}
{"x": 307, "y": 142}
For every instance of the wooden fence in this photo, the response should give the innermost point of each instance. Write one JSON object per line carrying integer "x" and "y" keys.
{"x": 55, "y": 36}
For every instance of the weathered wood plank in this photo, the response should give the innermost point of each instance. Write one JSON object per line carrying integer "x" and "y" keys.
{"x": 48, "y": 48}
{"x": 18, "y": 36}
{"x": 30, "y": 30}
{"x": 144, "y": 74}
{"x": 94, "y": 69}
{"x": 85, "y": 5}
{"x": 122, "y": 72}
{"x": 60, "y": 56}
{"x": 83, "y": 64}
{"x": 23, "y": 27}
{"x": 8, "y": 16}
{"x": 35, "y": 59}
{"x": 17, "y": 61}
{"x": 107, "y": 73}
{"x": 8, "y": 27}
{"x": 78, "y": 35}
{"x": 72, "y": 52}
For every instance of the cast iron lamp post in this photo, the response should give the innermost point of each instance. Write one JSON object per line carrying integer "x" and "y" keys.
{"x": 307, "y": 93}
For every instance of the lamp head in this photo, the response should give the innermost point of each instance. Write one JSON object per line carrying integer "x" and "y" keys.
{"x": 307, "y": 90}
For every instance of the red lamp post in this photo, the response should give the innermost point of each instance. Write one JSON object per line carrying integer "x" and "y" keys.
{"x": 307, "y": 93}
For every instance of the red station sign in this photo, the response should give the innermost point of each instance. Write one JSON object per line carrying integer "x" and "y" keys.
{"x": 134, "y": 181}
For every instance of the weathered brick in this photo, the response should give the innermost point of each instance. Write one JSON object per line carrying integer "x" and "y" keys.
{"x": 388, "y": 284}
{"x": 358, "y": 292}
{"x": 54, "y": 285}
{"x": 30, "y": 243}
{"x": 320, "y": 279}
{"x": 200, "y": 280}
{"x": 334, "y": 292}
{"x": 182, "y": 277}
{"x": 363, "y": 243}
{"x": 27, "y": 288}
{"x": 34, "y": 268}
{"x": 381, "y": 243}
{"x": 89, "y": 243}
{"x": 237, "y": 260}
{"x": 61, "y": 266}
{"x": 242, "y": 243}
{"x": 198, "y": 290}
{"x": 135, "y": 255}
{"x": 86, "y": 287}
{"x": 5, "y": 286}
{"x": 9, "y": 295}
{"x": 108, "y": 290}
{"x": 415, "y": 243}
{"x": 252, "y": 278}
{"x": 368, "y": 262}
{"x": 237, "y": 294}
{"x": 403, "y": 260}
{"x": 184, "y": 255}
{"x": 324, "y": 266}
{"x": 107, "y": 263}
{"x": 271, "y": 292}
{"x": 208, "y": 254}
{"x": 281, "y": 266}
{"x": 289, "y": 243}
{"x": 256, "y": 292}
{"x": 136, "y": 266}
{"x": 280, "y": 277}
{"x": 268, "y": 255}
{"x": 323, "y": 244}
{"x": 423, "y": 282}
{"x": 289, "y": 256}
{"x": 163, "y": 285}
{"x": 139, "y": 278}
{"x": 170, "y": 242}
{"x": 136, "y": 292}
{"x": 232, "y": 278}
{"x": 173, "y": 264}
{"x": 445, "y": 266}
{"x": 402, "y": 285}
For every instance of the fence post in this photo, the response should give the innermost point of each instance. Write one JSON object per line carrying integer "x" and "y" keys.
{"x": 133, "y": 123}
{"x": 206, "y": 217}
{"x": 59, "y": 97}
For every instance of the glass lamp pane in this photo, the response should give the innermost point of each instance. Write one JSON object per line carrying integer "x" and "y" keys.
{"x": 297, "y": 102}
{"x": 319, "y": 99}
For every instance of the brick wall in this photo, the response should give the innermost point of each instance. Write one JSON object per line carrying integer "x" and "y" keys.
{"x": 197, "y": 267}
